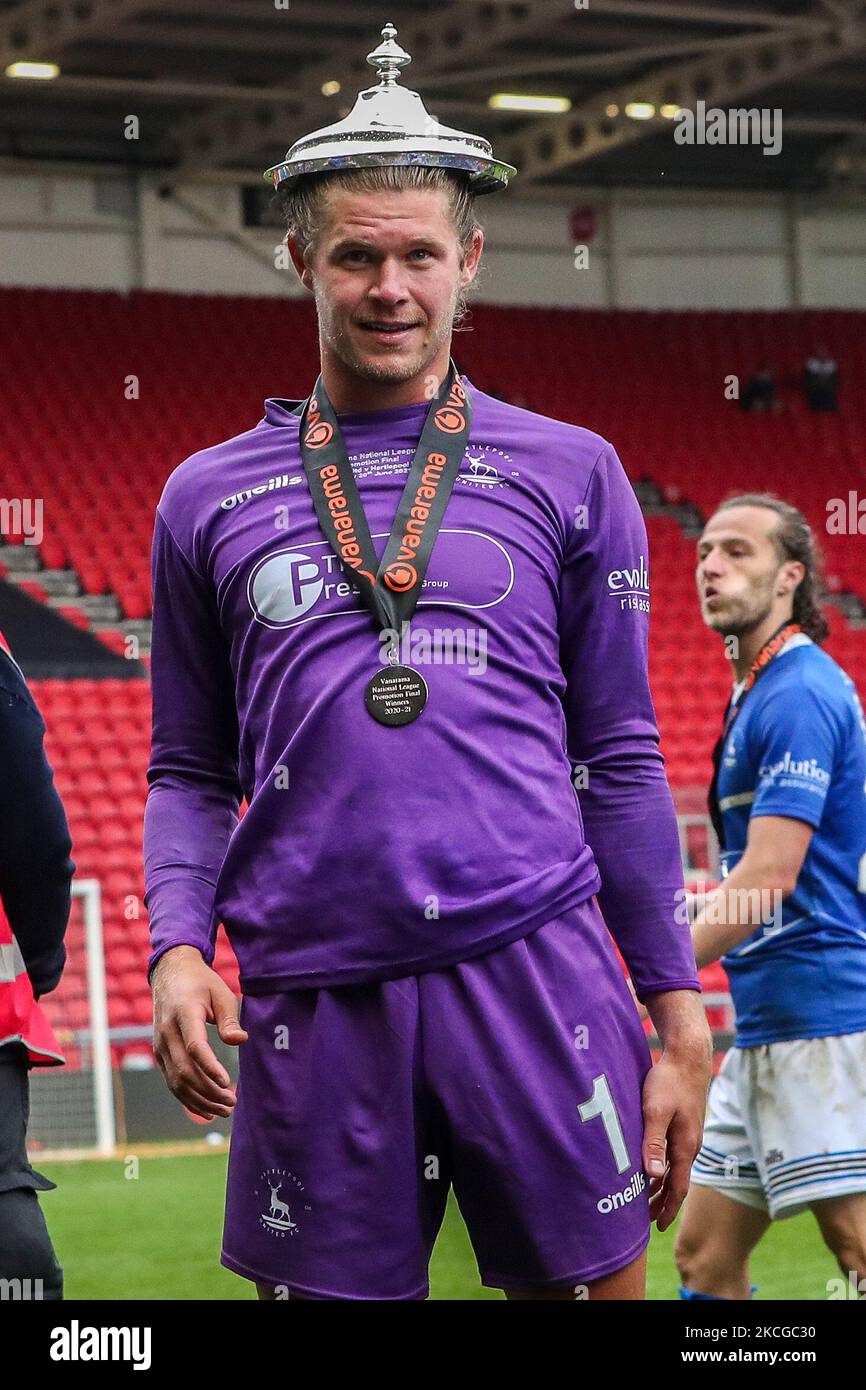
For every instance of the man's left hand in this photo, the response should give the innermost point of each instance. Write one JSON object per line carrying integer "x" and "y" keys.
{"x": 674, "y": 1106}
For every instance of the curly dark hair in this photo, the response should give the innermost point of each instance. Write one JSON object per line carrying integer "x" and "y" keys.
{"x": 794, "y": 540}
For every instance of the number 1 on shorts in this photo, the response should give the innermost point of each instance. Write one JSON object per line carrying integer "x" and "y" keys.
{"x": 601, "y": 1103}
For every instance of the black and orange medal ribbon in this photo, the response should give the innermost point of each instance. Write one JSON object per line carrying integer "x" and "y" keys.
{"x": 770, "y": 649}
{"x": 390, "y": 587}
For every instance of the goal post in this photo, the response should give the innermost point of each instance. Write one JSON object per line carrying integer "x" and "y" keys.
{"x": 103, "y": 1098}
{"x": 72, "y": 1107}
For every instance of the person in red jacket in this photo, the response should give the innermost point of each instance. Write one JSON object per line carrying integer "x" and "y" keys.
{"x": 35, "y": 875}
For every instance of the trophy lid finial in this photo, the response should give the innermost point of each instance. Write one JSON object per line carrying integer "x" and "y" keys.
{"x": 389, "y": 57}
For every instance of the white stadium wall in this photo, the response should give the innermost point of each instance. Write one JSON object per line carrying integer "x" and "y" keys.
{"x": 108, "y": 230}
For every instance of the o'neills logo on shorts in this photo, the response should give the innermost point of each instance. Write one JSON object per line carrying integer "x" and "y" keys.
{"x": 319, "y": 431}
{"x": 628, "y": 1194}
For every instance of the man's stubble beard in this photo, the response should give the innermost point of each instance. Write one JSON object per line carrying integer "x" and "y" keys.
{"x": 385, "y": 368}
{"x": 747, "y": 613}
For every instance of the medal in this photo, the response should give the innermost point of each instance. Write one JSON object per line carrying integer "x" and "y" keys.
{"x": 396, "y": 695}
{"x": 389, "y": 588}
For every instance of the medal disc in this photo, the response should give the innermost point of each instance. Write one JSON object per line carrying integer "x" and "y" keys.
{"x": 396, "y": 695}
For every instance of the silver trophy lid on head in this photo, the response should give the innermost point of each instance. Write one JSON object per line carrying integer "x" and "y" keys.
{"x": 389, "y": 124}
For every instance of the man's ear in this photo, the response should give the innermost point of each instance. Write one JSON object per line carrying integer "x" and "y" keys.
{"x": 471, "y": 259}
{"x": 795, "y": 571}
{"x": 298, "y": 262}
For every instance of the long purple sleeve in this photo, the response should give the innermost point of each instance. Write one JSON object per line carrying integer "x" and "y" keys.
{"x": 613, "y": 740}
{"x": 193, "y": 797}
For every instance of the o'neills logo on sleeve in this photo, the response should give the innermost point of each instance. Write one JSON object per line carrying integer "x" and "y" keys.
{"x": 401, "y": 573}
{"x": 338, "y": 506}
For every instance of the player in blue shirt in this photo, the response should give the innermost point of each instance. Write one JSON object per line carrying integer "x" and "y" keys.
{"x": 786, "y": 1125}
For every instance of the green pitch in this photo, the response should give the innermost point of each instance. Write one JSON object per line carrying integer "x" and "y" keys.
{"x": 153, "y": 1232}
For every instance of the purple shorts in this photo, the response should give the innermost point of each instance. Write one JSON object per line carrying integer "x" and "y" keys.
{"x": 515, "y": 1077}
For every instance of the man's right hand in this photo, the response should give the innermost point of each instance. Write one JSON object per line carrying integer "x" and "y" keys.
{"x": 187, "y": 995}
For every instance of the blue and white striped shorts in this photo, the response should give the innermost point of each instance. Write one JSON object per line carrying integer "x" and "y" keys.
{"x": 786, "y": 1124}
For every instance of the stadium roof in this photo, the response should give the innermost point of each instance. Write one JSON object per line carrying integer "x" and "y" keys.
{"x": 230, "y": 92}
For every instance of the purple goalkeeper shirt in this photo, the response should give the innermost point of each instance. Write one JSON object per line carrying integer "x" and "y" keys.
{"x": 369, "y": 852}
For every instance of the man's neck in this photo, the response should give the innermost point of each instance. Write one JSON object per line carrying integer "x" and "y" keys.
{"x": 750, "y": 643}
{"x": 350, "y": 393}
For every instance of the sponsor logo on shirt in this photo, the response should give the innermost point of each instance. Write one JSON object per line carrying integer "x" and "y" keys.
{"x": 631, "y": 586}
{"x": 790, "y": 768}
{"x": 304, "y": 583}
{"x": 282, "y": 480}
{"x": 628, "y": 1194}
